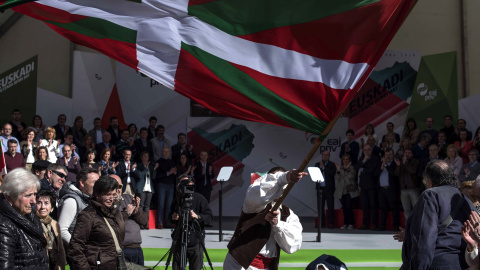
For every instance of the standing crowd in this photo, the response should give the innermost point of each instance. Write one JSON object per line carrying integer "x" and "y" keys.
{"x": 385, "y": 172}
{"x": 145, "y": 160}
{"x": 96, "y": 189}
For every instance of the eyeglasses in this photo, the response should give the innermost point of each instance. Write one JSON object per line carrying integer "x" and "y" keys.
{"x": 111, "y": 196}
{"x": 61, "y": 175}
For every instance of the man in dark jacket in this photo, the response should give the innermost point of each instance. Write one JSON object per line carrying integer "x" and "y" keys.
{"x": 142, "y": 144}
{"x": 388, "y": 191}
{"x": 182, "y": 148}
{"x": 350, "y": 147}
{"x": 198, "y": 215}
{"x": 406, "y": 172}
{"x": 368, "y": 169}
{"x": 126, "y": 171}
{"x": 165, "y": 185}
{"x": 71, "y": 162}
{"x": 432, "y": 234}
{"x": 203, "y": 175}
{"x": 54, "y": 179}
{"x": 145, "y": 186}
{"x": 114, "y": 130}
{"x": 328, "y": 169}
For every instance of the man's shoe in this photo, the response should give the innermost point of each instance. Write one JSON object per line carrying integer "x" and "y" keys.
{"x": 331, "y": 226}
{"x": 343, "y": 227}
{"x": 363, "y": 227}
{"x": 159, "y": 226}
{"x": 350, "y": 227}
{"x": 374, "y": 228}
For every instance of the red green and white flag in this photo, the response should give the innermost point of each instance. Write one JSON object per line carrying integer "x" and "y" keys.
{"x": 290, "y": 63}
{"x": 3, "y": 167}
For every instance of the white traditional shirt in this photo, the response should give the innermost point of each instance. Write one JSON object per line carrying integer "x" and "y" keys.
{"x": 287, "y": 234}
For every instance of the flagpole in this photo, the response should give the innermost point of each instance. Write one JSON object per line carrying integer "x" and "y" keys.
{"x": 307, "y": 160}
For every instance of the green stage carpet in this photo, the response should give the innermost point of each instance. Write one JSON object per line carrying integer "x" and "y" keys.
{"x": 152, "y": 255}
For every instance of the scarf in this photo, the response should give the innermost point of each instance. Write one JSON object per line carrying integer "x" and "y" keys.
{"x": 47, "y": 231}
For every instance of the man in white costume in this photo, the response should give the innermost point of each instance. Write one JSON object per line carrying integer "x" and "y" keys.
{"x": 260, "y": 233}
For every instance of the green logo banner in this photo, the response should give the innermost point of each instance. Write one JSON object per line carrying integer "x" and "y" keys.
{"x": 435, "y": 93}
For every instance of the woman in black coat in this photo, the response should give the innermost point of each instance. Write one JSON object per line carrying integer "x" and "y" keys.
{"x": 92, "y": 245}
{"x": 22, "y": 244}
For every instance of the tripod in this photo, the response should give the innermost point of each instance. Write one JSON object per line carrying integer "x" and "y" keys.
{"x": 180, "y": 241}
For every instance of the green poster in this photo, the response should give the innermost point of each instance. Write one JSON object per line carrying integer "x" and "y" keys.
{"x": 435, "y": 93}
{"x": 18, "y": 90}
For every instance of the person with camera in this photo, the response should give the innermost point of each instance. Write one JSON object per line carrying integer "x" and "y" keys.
{"x": 196, "y": 210}
{"x": 260, "y": 232}
{"x": 134, "y": 218}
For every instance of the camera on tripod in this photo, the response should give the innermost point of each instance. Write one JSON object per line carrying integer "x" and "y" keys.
{"x": 185, "y": 190}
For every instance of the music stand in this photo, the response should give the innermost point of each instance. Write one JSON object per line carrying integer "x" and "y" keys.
{"x": 317, "y": 177}
{"x": 223, "y": 176}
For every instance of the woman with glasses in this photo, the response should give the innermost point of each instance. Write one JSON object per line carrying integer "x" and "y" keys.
{"x": 92, "y": 245}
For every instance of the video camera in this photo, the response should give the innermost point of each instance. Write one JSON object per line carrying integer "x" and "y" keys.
{"x": 185, "y": 190}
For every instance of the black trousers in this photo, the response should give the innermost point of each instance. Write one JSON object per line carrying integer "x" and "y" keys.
{"x": 327, "y": 196}
{"x": 194, "y": 257}
{"x": 348, "y": 218}
{"x": 388, "y": 199}
{"x": 369, "y": 203}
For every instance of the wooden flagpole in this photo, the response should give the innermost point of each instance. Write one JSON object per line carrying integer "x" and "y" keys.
{"x": 307, "y": 160}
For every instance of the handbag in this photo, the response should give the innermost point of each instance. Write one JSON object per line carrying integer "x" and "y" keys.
{"x": 121, "y": 264}
{"x": 351, "y": 188}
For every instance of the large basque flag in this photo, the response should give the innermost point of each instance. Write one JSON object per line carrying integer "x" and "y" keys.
{"x": 290, "y": 63}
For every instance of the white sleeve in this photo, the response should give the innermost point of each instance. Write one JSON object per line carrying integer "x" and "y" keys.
{"x": 264, "y": 191}
{"x": 69, "y": 210}
{"x": 55, "y": 148}
{"x": 472, "y": 257}
{"x": 288, "y": 234}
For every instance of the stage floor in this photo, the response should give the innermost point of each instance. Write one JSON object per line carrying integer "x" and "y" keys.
{"x": 358, "y": 249}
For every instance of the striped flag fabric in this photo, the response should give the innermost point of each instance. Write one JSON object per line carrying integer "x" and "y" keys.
{"x": 290, "y": 63}
{"x": 3, "y": 167}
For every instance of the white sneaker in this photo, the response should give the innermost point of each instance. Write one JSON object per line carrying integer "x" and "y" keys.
{"x": 343, "y": 227}
{"x": 350, "y": 227}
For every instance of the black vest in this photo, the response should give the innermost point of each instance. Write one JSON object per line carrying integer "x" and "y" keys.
{"x": 251, "y": 234}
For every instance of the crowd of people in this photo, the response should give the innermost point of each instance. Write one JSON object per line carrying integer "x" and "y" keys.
{"x": 145, "y": 160}
{"x": 106, "y": 181}
{"x": 380, "y": 172}
{"x": 96, "y": 191}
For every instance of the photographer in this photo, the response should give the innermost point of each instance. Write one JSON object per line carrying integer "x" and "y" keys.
{"x": 199, "y": 216}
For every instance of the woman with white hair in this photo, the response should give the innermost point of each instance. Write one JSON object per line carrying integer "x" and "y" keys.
{"x": 22, "y": 244}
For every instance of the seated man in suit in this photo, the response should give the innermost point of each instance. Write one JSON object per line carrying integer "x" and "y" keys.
{"x": 471, "y": 170}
